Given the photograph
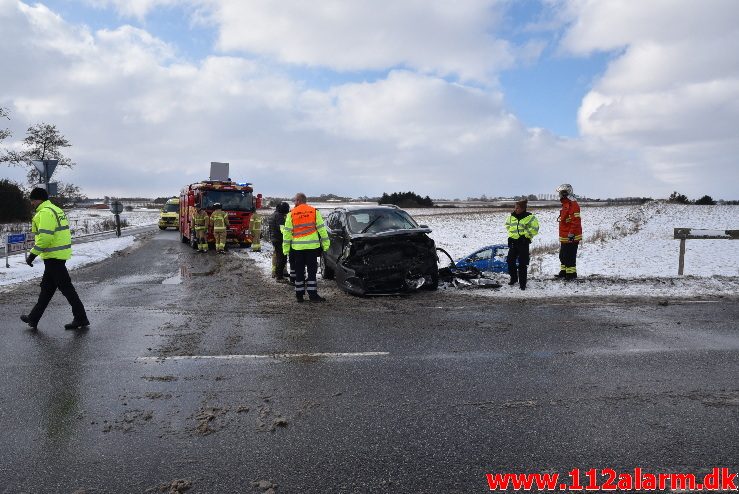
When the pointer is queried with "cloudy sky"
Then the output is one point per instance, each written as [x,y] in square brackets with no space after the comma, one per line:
[359,97]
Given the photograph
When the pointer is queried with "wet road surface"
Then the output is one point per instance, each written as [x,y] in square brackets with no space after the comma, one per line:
[424,393]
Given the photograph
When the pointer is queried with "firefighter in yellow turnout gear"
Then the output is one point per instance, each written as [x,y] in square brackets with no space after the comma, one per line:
[219,222]
[255,227]
[200,225]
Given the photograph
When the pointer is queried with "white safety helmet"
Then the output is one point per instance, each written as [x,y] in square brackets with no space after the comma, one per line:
[564,190]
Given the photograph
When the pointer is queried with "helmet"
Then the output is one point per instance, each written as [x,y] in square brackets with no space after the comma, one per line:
[564,190]
[217,205]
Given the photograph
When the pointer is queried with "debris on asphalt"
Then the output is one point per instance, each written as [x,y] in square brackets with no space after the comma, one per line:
[177,486]
[265,485]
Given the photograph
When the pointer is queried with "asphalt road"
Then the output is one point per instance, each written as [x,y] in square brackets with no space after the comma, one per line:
[422,393]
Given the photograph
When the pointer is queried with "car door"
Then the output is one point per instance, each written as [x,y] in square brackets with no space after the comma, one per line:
[482,258]
[336,233]
[499,262]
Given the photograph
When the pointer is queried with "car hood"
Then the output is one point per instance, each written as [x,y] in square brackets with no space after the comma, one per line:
[390,233]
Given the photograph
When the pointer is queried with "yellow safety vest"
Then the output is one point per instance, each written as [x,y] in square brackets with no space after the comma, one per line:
[53,239]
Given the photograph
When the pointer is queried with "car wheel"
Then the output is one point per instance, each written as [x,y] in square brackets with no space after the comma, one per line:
[184,239]
[326,272]
[434,285]
[162,227]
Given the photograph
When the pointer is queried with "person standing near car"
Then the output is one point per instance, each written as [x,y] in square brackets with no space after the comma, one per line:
[303,238]
[219,222]
[522,227]
[570,233]
[53,243]
[276,223]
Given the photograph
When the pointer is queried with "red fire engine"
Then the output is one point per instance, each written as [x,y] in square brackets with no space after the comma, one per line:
[236,199]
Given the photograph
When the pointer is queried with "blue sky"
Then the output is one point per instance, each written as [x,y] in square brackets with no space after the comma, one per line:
[365,97]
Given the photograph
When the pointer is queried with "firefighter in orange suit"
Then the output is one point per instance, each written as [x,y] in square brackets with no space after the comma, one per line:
[219,222]
[570,233]
[304,236]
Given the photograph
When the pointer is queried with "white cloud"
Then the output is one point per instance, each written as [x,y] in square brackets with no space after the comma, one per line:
[673,88]
[143,122]
[431,36]
[138,9]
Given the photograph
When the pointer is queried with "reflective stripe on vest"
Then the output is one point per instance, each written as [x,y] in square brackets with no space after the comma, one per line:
[525,227]
[53,237]
[200,221]
[219,220]
[304,221]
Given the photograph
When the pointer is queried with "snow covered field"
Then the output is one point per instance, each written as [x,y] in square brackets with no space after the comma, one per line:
[627,250]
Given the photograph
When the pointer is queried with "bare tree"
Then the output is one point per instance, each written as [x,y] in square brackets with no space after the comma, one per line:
[4,132]
[43,142]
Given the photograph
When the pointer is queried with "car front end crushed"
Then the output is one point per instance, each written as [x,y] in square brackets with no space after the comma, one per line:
[389,262]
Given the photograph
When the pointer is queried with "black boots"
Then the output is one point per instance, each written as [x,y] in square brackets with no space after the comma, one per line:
[522,275]
[28,321]
[77,324]
[514,274]
[518,275]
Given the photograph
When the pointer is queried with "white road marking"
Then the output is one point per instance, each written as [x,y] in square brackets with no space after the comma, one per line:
[270,356]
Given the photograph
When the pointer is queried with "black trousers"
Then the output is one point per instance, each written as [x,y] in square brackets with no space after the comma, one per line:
[518,249]
[568,256]
[57,276]
[300,260]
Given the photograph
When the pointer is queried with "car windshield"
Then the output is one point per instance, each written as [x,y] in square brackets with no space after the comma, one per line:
[379,221]
[231,200]
[171,208]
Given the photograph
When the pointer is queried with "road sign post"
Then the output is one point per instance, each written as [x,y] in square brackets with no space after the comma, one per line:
[18,242]
[46,170]
[116,207]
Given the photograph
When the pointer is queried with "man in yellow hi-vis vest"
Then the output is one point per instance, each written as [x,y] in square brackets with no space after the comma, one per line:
[219,220]
[303,237]
[53,244]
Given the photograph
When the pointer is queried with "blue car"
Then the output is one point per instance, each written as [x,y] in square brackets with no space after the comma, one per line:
[490,258]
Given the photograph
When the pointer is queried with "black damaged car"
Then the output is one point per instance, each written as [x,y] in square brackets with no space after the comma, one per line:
[378,250]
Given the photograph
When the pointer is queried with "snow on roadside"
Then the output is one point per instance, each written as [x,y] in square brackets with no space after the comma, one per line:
[82,255]
[634,254]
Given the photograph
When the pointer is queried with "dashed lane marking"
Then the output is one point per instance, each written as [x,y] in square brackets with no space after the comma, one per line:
[265,356]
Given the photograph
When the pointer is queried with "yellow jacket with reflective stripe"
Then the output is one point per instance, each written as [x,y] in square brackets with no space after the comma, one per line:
[219,220]
[53,239]
[310,237]
[526,226]
[200,221]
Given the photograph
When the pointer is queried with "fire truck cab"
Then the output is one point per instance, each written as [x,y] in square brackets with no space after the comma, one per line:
[236,199]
